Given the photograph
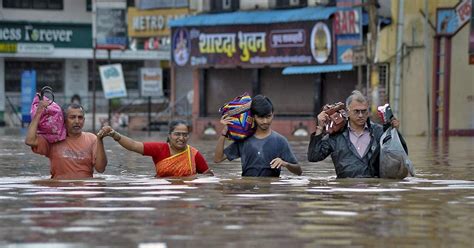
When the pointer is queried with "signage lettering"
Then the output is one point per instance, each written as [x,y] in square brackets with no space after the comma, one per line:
[252,42]
[463,11]
[244,45]
[141,23]
[288,38]
[152,23]
[48,35]
[217,43]
[10,34]
[346,22]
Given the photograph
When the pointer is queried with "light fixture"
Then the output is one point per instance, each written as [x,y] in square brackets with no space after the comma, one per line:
[209,129]
[301,131]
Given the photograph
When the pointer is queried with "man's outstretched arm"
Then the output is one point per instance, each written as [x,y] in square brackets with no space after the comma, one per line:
[31,136]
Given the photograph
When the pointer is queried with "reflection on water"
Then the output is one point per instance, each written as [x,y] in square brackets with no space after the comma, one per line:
[127,207]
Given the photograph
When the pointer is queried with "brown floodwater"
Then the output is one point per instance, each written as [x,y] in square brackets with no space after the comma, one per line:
[127,207]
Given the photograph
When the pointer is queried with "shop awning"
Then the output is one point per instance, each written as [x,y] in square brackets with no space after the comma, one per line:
[315,69]
[257,17]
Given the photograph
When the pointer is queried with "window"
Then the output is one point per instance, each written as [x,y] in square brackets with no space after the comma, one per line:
[384,78]
[49,73]
[33,4]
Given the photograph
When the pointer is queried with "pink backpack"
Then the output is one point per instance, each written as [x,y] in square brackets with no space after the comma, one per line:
[51,125]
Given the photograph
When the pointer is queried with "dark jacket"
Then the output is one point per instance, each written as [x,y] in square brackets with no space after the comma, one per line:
[347,161]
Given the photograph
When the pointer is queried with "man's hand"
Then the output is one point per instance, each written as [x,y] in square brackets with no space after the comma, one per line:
[42,105]
[225,120]
[395,123]
[277,163]
[322,118]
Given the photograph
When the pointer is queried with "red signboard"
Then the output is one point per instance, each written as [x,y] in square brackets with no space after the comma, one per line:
[302,43]
[347,22]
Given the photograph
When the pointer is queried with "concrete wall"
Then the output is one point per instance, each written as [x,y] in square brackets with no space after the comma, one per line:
[413,106]
[74,11]
[461,113]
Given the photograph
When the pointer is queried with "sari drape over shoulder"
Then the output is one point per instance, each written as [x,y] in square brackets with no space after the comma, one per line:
[178,165]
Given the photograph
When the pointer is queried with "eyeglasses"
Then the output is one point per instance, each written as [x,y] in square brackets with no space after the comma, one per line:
[179,134]
[359,111]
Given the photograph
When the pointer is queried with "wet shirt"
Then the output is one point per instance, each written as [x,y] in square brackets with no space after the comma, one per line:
[161,150]
[347,160]
[360,141]
[71,158]
[256,154]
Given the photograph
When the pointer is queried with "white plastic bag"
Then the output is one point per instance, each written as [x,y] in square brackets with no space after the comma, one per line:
[394,161]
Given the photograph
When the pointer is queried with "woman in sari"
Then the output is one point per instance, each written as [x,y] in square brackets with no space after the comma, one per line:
[173,158]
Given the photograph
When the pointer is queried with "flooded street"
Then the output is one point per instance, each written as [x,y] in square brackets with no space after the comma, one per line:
[127,207]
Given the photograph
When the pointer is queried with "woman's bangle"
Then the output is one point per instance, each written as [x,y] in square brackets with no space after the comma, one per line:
[116,136]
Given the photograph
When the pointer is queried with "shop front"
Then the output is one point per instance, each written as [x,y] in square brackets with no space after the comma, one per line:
[263,52]
[61,55]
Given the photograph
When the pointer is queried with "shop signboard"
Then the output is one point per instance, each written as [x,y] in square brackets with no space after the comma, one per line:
[152,23]
[111,28]
[112,80]
[348,32]
[38,48]
[471,36]
[301,43]
[8,47]
[451,20]
[46,36]
[151,82]
[28,90]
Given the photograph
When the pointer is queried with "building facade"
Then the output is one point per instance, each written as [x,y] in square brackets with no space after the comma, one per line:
[300,56]
[436,91]
[55,40]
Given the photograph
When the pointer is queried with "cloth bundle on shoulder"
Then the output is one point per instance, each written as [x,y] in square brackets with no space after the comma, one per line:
[51,124]
[238,109]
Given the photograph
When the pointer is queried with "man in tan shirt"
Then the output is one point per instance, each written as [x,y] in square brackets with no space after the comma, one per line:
[75,157]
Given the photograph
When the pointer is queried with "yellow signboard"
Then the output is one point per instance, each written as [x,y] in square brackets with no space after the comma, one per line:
[8,47]
[152,23]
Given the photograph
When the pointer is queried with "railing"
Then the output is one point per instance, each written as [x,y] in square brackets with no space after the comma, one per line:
[162,110]
[13,112]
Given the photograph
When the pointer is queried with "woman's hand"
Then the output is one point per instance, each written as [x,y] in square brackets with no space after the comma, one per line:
[105,131]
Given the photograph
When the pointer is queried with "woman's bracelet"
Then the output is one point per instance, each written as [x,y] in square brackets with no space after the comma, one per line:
[116,136]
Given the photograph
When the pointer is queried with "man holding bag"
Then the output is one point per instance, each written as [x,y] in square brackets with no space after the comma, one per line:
[75,157]
[355,149]
[264,153]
